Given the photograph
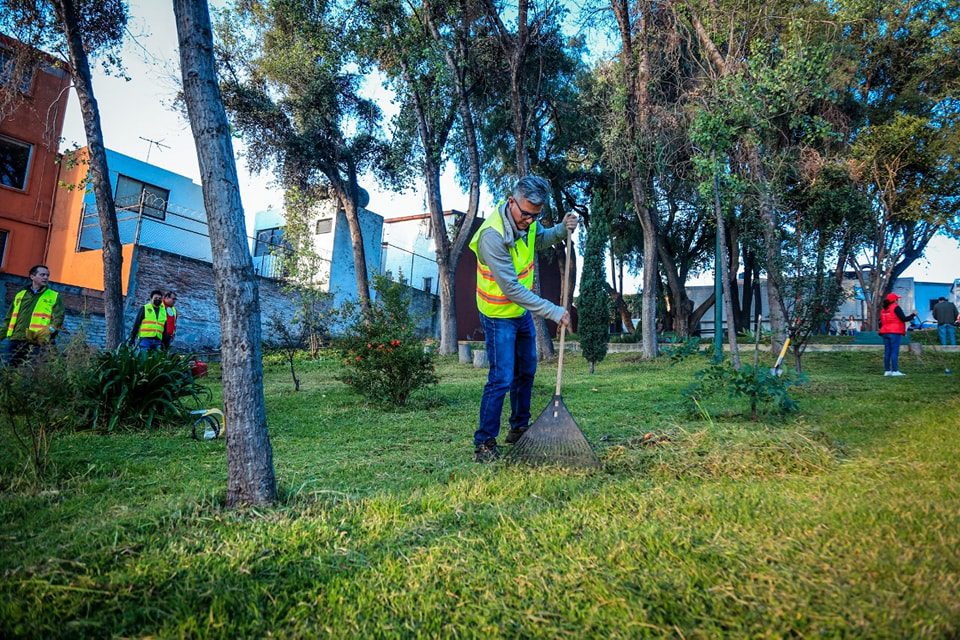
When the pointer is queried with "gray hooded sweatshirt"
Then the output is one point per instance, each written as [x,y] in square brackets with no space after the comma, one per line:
[494,252]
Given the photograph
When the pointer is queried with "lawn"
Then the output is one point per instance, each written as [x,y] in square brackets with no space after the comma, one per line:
[841,519]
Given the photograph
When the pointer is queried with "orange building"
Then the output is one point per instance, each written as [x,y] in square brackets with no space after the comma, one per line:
[67,262]
[30,128]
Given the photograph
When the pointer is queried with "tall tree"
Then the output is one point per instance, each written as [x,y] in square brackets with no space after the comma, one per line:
[250,475]
[636,26]
[905,80]
[403,46]
[77,30]
[593,304]
[295,100]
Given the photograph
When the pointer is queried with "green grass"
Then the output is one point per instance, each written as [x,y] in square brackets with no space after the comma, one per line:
[839,520]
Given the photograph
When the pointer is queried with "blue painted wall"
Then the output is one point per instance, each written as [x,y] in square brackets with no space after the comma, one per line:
[184,229]
[924,292]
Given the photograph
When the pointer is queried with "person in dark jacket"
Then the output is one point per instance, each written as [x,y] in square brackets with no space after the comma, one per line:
[893,326]
[945,313]
[149,327]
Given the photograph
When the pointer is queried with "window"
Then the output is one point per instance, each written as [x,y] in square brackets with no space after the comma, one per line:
[130,193]
[324,225]
[428,284]
[3,245]
[268,241]
[8,64]
[14,163]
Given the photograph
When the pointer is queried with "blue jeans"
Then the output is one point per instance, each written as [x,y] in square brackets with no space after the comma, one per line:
[512,352]
[948,334]
[891,351]
[150,344]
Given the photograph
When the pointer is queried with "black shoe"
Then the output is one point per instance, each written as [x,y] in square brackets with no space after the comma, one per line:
[486,452]
[515,434]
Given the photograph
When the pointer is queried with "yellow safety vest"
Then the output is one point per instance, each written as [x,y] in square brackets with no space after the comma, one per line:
[39,329]
[490,299]
[153,322]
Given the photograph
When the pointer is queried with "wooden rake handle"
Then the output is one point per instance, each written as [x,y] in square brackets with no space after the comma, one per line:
[566,301]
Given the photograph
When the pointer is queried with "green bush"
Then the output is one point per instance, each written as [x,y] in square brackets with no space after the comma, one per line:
[44,397]
[134,389]
[383,359]
[680,352]
[757,384]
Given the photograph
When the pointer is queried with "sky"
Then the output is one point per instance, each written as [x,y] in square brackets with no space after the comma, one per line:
[142,108]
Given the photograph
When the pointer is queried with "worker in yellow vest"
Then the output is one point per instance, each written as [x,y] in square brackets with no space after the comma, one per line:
[506,245]
[149,326]
[34,318]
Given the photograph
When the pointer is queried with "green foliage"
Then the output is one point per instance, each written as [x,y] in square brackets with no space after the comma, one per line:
[135,389]
[679,352]
[382,357]
[593,306]
[758,384]
[43,397]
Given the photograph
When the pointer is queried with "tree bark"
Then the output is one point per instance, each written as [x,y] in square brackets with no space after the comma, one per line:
[635,111]
[250,475]
[99,174]
[348,194]
[723,263]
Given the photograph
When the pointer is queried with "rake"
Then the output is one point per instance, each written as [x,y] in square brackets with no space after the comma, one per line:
[555,438]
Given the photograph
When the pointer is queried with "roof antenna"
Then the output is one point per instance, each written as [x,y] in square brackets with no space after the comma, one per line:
[151,143]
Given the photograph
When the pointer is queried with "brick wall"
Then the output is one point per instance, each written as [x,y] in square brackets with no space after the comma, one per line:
[198,326]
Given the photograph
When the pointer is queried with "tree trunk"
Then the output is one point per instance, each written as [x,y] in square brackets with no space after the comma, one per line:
[545,349]
[348,195]
[250,476]
[746,307]
[680,305]
[625,316]
[771,240]
[727,292]
[635,80]
[99,175]
[454,248]
[701,311]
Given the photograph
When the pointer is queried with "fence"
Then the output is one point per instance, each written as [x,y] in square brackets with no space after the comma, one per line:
[409,267]
[150,221]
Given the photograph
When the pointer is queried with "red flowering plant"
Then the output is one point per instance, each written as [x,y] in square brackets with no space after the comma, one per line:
[383,359]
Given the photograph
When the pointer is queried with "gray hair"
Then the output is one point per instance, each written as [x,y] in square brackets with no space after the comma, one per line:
[533,189]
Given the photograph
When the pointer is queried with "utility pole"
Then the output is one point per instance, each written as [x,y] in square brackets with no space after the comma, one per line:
[717,282]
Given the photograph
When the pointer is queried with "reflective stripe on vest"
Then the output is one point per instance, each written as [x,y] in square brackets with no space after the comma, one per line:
[491,301]
[42,311]
[153,322]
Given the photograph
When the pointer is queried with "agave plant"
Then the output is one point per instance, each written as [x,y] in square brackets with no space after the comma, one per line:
[135,389]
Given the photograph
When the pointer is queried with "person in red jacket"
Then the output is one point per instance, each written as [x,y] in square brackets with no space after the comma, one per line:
[170,330]
[893,326]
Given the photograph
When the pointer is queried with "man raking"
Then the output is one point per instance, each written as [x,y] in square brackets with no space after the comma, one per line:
[506,246]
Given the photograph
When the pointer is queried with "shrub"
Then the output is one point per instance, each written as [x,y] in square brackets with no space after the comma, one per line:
[383,359]
[133,389]
[756,383]
[44,397]
[680,352]
[594,303]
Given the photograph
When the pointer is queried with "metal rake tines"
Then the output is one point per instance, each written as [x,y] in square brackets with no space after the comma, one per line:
[555,439]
